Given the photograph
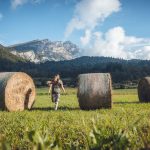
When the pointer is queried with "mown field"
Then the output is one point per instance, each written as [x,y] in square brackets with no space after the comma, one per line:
[125,126]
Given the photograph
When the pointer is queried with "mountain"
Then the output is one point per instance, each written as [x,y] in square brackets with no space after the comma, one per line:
[45,50]
[121,70]
[7,56]
[1,46]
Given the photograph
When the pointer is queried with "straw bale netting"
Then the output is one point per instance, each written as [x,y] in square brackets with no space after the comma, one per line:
[144,89]
[17,91]
[94,91]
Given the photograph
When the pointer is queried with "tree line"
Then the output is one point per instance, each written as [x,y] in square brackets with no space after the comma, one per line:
[121,70]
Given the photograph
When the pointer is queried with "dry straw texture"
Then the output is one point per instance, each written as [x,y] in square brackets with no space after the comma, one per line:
[144,89]
[17,91]
[94,91]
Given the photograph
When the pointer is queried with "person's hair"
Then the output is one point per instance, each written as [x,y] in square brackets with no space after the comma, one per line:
[57,77]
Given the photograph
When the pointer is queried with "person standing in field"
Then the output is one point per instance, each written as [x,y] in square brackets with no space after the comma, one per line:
[54,88]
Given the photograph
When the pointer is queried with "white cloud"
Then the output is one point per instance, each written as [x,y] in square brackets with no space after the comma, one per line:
[86,38]
[115,43]
[16,3]
[1,16]
[89,13]
[143,53]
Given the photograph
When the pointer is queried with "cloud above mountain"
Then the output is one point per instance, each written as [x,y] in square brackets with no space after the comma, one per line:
[90,13]
[114,42]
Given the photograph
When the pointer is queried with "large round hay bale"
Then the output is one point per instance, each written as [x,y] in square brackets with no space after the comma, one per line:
[17,91]
[144,89]
[94,91]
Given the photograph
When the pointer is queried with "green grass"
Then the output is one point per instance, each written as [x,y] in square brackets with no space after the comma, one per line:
[125,126]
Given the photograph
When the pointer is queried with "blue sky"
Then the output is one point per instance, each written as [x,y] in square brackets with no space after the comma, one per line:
[126,20]
[34,21]
[134,16]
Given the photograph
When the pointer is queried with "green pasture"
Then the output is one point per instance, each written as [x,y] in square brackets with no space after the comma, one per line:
[125,126]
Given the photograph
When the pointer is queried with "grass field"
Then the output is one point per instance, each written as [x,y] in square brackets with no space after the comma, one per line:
[125,126]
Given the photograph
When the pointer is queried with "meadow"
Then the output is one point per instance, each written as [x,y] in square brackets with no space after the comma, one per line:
[125,126]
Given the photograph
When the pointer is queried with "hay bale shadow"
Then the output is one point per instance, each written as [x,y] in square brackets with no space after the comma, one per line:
[64,108]
[126,102]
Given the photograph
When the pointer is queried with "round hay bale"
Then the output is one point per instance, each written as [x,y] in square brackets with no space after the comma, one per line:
[17,91]
[144,89]
[94,91]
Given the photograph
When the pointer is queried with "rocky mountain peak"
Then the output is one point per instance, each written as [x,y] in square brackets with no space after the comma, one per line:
[46,50]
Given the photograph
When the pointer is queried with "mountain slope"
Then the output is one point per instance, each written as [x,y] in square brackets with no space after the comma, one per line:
[45,50]
[7,56]
[121,70]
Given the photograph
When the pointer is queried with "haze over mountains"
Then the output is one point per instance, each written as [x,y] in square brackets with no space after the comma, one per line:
[45,50]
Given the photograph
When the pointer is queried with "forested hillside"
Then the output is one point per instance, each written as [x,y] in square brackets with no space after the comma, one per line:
[121,70]
[6,56]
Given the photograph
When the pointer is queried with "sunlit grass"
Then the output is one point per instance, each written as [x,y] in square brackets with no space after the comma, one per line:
[71,124]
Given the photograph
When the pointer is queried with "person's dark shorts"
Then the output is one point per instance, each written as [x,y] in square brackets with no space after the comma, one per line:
[55,98]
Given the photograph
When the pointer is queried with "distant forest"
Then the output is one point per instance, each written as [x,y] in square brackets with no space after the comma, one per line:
[121,70]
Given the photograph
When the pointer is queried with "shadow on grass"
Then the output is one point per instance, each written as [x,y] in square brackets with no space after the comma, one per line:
[127,103]
[64,108]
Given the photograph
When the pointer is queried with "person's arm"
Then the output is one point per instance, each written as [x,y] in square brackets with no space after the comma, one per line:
[62,86]
[50,87]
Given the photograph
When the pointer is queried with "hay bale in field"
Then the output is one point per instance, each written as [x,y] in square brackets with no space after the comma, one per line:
[17,91]
[144,89]
[94,91]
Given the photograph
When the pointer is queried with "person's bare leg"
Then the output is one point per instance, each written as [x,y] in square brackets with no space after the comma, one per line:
[56,105]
